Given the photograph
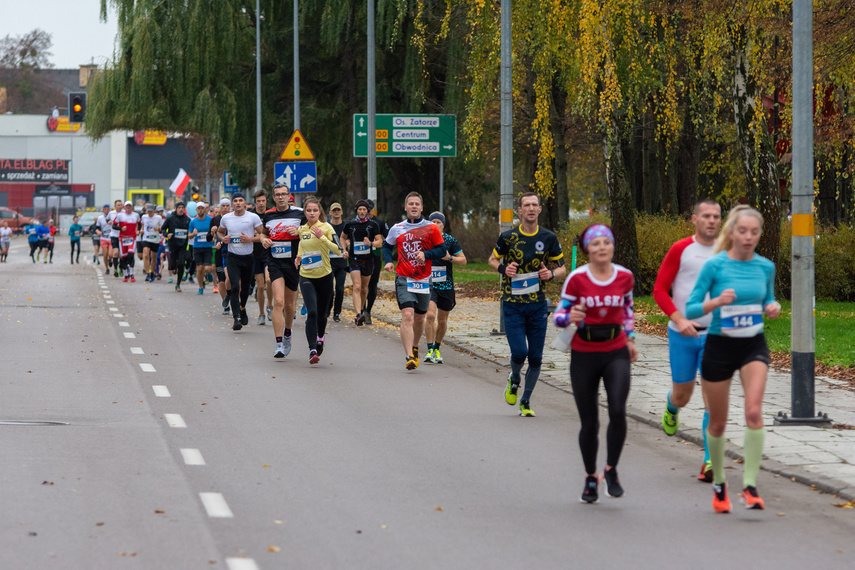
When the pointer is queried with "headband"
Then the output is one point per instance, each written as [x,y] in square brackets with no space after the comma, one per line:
[595,231]
[437,216]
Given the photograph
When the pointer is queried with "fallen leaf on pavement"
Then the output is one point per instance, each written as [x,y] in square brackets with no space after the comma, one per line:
[847,505]
[158,512]
[273,549]
[438,509]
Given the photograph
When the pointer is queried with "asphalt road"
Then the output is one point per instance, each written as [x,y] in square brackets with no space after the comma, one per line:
[352,463]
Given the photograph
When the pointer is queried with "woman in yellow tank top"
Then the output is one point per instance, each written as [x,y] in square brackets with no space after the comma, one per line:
[316,280]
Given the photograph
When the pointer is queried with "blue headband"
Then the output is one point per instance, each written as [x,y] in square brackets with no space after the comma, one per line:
[238,195]
[595,231]
[437,216]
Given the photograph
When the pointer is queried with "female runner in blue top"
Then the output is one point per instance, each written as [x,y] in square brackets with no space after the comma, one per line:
[737,286]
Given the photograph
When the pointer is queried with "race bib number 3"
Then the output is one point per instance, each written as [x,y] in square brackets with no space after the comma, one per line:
[361,249]
[438,274]
[418,286]
[311,260]
[741,321]
[281,251]
[525,283]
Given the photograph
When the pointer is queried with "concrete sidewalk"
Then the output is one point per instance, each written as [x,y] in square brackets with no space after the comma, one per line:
[814,456]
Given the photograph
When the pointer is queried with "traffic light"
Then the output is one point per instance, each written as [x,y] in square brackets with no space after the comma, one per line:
[76,107]
[195,196]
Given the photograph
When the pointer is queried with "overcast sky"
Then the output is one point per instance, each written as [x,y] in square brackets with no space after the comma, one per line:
[77,37]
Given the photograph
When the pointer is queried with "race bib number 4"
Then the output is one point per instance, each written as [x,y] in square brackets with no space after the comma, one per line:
[418,286]
[525,283]
[281,251]
[438,274]
[361,249]
[741,321]
[311,260]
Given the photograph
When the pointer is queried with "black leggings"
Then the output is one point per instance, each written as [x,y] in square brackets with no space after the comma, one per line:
[372,285]
[34,245]
[126,261]
[586,369]
[50,249]
[340,275]
[176,260]
[239,268]
[317,294]
[75,244]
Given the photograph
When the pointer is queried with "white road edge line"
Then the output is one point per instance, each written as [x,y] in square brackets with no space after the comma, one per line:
[192,457]
[174,420]
[241,564]
[161,391]
[146,367]
[216,505]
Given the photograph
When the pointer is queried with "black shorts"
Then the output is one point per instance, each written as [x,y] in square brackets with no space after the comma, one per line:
[139,246]
[362,263]
[202,255]
[444,298]
[151,245]
[284,270]
[114,242]
[259,263]
[725,355]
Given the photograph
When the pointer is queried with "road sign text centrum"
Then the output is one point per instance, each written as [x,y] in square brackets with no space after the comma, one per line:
[400,135]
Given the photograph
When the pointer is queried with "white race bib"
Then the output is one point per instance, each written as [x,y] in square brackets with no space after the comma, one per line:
[76,234]
[202,240]
[418,286]
[181,234]
[311,260]
[741,321]
[281,250]
[525,283]
[438,274]
[127,241]
[234,239]
[151,236]
[361,249]
[50,239]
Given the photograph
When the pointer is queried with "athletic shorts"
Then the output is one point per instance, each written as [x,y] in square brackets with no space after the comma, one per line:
[258,264]
[724,355]
[114,242]
[202,255]
[5,242]
[362,263]
[152,245]
[96,240]
[686,354]
[287,271]
[139,246]
[419,302]
[444,298]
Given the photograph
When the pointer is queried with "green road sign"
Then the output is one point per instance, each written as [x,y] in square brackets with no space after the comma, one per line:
[400,135]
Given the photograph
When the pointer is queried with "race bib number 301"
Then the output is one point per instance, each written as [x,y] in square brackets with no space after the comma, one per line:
[741,321]
[418,286]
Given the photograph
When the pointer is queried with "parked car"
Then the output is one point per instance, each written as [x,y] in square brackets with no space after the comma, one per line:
[15,220]
[86,220]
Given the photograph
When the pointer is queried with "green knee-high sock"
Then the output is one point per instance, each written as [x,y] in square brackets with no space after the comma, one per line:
[716,445]
[754,439]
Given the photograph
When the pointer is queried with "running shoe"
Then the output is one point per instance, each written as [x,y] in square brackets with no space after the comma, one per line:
[313,357]
[320,346]
[429,357]
[125,280]
[720,501]
[613,486]
[511,391]
[133,279]
[159,276]
[226,310]
[337,318]
[416,355]
[237,325]
[170,280]
[201,291]
[589,494]
[261,320]
[269,312]
[368,320]
[359,320]
[525,409]
[178,287]
[106,272]
[225,301]
[670,422]
[411,363]
[244,318]
[115,273]
[286,345]
[706,472]
[280,351]
[303,310]
[751,499]
[437,357]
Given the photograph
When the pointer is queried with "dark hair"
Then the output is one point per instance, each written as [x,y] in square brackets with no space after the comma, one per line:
[314,200]
[526,195]
[278,186]
[259,193]
[708,201]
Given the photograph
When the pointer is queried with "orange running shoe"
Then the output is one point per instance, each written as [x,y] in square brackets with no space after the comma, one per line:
[706,472]
[751,499]
[720,502]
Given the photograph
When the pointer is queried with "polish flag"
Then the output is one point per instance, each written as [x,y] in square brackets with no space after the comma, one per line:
[180,183]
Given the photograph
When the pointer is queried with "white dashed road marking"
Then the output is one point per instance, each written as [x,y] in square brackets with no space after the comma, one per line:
[136,350]
[241,564]
[146,367]
[174,420]
[124,324]
[216,505]
[192,457]
[161,391]
[129,335]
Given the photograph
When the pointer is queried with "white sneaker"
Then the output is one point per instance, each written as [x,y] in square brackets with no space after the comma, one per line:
[280,351]
[260,319]
[286,345]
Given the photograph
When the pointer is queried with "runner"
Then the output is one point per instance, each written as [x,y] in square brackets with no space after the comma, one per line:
[5,241]
[418,242]
[737,286]
[52,229]
[75,230]
[118,208]
[127,223]
[96,242]
[338,263]
[316,281]
[43,231]
[521,257]
[220,254]
[598,296]
[686,338]
[33,238]
[199,227]
[104,225]
[358,236]
[140,245]
[241,229]
[281,230]
[442,299]
[151,224]
[259,257]
[161,247]
[378,264]
[176,228]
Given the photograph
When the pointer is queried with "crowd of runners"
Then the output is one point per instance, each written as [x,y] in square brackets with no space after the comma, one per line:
[712,285]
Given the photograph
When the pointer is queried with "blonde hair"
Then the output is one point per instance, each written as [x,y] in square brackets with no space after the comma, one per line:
[724,242]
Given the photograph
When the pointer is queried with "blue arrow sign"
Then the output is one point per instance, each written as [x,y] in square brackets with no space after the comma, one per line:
[297,176]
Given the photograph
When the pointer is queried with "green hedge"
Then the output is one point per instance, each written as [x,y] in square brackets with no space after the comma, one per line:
[834,248]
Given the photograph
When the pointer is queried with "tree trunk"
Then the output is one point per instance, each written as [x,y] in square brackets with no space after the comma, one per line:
[562,198]
[761,165]
[621,207]
[355,186]
[688,166]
